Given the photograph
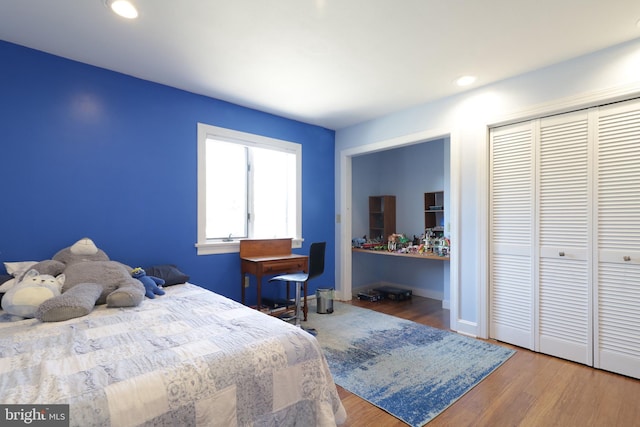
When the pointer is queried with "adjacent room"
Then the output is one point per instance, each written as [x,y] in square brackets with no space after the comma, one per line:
[303,213]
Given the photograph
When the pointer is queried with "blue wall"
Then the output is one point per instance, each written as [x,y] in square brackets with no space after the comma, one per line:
[88,152]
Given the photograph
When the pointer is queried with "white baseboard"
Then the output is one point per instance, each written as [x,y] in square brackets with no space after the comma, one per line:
[465,327]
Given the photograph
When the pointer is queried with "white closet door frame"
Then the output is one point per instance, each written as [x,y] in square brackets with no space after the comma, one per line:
[610,302]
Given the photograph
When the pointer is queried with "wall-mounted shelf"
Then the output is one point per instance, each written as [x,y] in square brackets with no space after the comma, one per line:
[434,211]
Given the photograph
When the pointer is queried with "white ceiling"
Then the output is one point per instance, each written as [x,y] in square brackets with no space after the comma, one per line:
[333,63]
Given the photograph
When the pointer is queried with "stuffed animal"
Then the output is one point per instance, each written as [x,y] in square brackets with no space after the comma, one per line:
[151,283]
[91,278]
[24,298]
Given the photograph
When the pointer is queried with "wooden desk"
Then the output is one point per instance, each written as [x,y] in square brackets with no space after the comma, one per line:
[269,257]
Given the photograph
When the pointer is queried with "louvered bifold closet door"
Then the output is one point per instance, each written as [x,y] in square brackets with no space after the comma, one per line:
[511,237]
[564,215]
[617,338]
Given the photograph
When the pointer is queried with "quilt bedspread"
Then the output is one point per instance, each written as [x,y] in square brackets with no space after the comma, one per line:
[188,358]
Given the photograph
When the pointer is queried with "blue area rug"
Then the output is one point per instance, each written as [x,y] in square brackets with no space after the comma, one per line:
[412,371]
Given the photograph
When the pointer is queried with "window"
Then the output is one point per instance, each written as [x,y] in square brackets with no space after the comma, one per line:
[249,186]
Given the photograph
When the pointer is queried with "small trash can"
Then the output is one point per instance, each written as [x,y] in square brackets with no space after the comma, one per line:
[324,301]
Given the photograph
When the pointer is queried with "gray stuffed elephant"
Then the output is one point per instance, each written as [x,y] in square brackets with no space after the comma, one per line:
[91,279]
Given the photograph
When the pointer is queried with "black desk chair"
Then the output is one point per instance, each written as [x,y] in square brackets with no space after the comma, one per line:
[316,268]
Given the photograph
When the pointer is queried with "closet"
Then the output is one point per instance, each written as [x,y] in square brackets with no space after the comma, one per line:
[565,236]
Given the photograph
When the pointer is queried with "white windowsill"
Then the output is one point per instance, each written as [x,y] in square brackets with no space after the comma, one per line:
[221,247]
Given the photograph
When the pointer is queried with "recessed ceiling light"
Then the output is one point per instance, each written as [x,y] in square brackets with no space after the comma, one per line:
[124,8]
[465,80]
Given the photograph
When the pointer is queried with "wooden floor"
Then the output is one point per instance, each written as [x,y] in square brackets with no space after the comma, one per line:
[530,389]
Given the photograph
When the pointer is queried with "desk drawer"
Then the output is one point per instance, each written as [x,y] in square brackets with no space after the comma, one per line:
[284,266]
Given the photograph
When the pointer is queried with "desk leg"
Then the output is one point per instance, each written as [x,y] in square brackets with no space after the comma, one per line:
[304,306]
[259,286]
[242,287]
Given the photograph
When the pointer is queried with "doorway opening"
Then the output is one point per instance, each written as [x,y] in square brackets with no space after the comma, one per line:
[345,221]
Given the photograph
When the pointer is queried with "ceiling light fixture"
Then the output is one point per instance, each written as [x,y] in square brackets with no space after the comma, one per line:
[124,8]
[465,80]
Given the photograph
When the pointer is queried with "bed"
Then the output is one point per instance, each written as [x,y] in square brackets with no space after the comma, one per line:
[187,358]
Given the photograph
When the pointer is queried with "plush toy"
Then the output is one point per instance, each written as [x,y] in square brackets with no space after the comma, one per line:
[90,279]
[24,298]
[151,283]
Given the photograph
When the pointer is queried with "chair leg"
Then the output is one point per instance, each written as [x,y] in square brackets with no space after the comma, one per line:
[297,304]
[305,306]
[288,283]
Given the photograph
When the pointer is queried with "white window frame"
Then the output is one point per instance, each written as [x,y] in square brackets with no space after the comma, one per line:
[219,246]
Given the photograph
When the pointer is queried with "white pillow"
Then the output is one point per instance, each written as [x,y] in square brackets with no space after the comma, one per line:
[16,269]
